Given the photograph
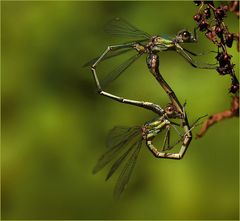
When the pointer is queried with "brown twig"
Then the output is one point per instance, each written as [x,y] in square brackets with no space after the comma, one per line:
[210,19]
[232,112]
[234,7]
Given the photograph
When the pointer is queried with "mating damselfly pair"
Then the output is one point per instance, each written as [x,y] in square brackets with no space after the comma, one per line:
[126,142]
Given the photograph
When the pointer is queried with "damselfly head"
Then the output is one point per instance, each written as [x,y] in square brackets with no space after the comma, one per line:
[185,36]
[172,111]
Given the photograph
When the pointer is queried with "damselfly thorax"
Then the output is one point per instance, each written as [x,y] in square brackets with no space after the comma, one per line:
[152,129]
[155,45]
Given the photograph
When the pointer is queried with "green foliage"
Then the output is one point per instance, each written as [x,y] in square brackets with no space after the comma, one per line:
[54,124]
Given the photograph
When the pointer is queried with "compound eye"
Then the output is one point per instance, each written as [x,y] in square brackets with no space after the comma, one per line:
[186,35]
[169,110]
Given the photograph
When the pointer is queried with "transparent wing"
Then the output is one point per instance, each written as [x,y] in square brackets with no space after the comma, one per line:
[127,170]
[121,27]
[116,145]
[120,133]
[114,74]
[111,54]
[118,162]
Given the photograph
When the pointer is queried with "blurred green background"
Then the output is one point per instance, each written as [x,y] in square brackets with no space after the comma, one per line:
[54,124]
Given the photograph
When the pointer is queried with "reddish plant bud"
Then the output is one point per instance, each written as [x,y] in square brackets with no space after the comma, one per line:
[226,57]
[220,13]
[224,60]
[197,17]
[203,25]
[224,70]
[197,3]
[234,88]
[229,40]
[207,13]
[218,31]
[219,56]
[221,70]
[210,35]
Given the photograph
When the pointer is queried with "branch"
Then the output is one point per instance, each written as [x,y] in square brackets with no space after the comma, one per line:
[210,19]
[232,112]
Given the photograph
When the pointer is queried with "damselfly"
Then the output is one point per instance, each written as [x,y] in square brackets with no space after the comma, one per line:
[126,142]
[147,44]
[150,46]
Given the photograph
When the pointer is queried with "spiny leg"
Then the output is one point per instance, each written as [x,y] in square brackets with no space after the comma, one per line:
[188,131]
[198,54]
[185,138]
[195,64]
[169,147]
[166,139]
[111,48]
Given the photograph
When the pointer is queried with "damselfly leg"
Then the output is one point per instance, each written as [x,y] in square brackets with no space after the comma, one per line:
[190,60]
[164,123]
[184,139]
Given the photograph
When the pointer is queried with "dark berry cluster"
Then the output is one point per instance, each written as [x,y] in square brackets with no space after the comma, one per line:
[225,66]
[210,19]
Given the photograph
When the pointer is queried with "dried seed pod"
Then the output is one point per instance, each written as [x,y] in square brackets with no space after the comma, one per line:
[211,35]
[220,13]
[234,88]
[203,25]
[224,70]
[229,40]
[207,13]
[221,70]
[219,31]
[197,17]
[197,3]
[224,59]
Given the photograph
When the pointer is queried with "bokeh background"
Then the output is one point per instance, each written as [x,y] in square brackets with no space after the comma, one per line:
[54,124]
